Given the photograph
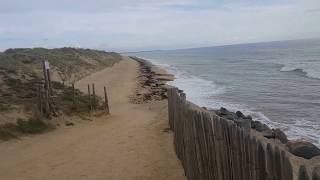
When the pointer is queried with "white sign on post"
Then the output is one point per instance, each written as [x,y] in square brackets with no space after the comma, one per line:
[46,65]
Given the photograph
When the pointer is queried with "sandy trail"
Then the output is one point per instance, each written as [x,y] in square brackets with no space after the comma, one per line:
[129,144]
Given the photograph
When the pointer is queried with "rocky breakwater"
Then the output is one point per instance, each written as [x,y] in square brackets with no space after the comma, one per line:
[298,148]
[152,83]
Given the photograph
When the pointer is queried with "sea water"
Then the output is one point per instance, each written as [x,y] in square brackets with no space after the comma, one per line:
[277,83]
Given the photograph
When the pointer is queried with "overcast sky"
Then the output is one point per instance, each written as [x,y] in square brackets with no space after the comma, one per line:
[130,25]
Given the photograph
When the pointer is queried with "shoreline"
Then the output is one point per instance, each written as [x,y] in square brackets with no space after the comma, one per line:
[293,110]
[299,151]
[152,81]
[260,126]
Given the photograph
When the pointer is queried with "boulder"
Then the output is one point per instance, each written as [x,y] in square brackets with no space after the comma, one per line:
[303,149]
[249,117]
[239,114]
[228,116]
[244,123]
[68,123]
[280,135]
[258,126]
[223,111]
[268,133]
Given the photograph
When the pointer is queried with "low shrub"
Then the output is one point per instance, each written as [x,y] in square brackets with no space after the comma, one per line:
[8,131]
[33,126]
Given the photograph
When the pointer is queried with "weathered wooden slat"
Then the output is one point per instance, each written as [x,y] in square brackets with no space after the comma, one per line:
[303,174]
[261,163]
[287,173]
[316,173]
[277,164]
[211,147]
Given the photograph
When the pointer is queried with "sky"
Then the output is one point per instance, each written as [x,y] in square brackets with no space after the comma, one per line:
[134,25]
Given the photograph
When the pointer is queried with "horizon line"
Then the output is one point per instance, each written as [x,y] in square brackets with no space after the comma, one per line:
[222,45]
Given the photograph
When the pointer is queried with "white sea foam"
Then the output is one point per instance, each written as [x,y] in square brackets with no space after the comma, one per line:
[311,68]
[206,93]
[197,89]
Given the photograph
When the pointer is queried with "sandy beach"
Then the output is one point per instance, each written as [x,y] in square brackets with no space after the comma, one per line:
[131,143]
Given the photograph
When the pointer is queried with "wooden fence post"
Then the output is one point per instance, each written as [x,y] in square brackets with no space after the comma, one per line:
[287,172]
[40,99]
[44,74]
[211,147]
[303,174]
[47,105]
[73,94]
[46,87]
[106,103]
[89,97]
[49,83]
[93,97]
[316,173]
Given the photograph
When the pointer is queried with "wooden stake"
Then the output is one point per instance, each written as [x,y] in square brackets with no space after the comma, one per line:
[40,99]
[44,74]
[73,95]
[89,95]
[93,97]
[47,103]
[46,86]
[106,103]
[49,82]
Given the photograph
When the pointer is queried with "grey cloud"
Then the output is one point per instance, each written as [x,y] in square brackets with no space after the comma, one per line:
[22,6]
[148,24]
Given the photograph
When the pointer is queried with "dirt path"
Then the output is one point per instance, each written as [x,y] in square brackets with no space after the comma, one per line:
[129,144]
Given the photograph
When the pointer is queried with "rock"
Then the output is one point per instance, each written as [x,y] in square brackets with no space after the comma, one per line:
[244,123]
[229,116]
[69,123]
[280,135]
[316,173]
[223,111]
[267,133]
[240,115]
[303,149]
[249,117]
[263,128]
[257,125]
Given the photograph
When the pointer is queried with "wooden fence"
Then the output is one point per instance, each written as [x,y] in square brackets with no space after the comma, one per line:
[210,147]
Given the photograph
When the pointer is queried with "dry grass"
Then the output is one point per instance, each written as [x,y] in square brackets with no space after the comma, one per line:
[21,73]
[21,76]
[33,125]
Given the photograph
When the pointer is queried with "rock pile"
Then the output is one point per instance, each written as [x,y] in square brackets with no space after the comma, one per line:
[154,84]
[302,149]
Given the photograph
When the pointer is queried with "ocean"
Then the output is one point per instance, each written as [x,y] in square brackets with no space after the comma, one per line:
[277,83]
